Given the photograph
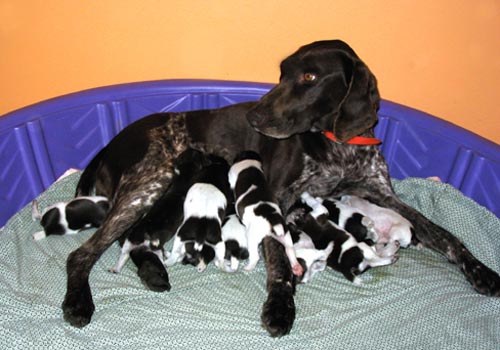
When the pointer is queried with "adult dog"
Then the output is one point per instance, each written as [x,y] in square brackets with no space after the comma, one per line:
[324,87]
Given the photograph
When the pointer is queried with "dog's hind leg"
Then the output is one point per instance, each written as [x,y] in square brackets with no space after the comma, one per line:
[78,306]
[483,279]
[426,233]
[278,312]
[134,198]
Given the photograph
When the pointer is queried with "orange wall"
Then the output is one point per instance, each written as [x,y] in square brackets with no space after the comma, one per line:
[442,56]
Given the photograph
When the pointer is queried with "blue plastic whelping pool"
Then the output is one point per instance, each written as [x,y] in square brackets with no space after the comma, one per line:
[40,142]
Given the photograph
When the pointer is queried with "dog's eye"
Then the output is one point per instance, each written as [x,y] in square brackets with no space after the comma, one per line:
[309,77]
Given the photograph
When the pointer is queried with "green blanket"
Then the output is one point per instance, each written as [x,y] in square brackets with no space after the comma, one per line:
[421,302]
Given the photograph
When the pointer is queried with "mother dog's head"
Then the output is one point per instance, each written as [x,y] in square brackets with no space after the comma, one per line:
[324,86]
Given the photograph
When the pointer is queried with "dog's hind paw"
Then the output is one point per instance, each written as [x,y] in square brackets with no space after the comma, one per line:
[278,312]
[483,279]
[78,306]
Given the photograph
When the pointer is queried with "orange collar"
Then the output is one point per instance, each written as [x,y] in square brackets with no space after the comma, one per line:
[356,140]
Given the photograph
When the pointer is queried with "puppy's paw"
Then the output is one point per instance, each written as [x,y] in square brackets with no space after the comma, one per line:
[114,270]
[39,235]
[278,312]
[249,267]
[357,281]
[78,306]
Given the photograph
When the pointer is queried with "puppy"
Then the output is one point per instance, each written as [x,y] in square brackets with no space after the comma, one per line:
[390,226]
[235,239]
[257,209]
[348,218]
[161,222]
[349,256]
[204,209]
[71,217]
[351,218]
[312,259]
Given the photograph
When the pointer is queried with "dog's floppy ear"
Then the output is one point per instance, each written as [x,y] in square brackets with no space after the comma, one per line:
[358,110]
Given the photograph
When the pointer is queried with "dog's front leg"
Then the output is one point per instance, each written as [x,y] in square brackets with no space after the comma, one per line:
[278,312]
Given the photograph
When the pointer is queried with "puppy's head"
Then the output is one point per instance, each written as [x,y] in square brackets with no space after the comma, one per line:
[190,162]
[312,260]
[324,86]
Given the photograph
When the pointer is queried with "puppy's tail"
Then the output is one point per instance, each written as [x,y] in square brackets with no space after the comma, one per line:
[35,212]
[86,184]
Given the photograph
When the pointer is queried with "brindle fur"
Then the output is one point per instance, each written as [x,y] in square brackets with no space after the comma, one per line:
[135,168]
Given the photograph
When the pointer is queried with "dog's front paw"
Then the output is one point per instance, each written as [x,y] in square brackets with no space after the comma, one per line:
[151,270]
[278,312]
[154,277]
[78,306]
[483,279]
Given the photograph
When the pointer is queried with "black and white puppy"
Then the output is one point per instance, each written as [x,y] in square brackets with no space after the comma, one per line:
[161,222]
[70,217]
[312,259]
[204,209]
[351,219]
[349,256]
[391,227]
[257,209]
[235,238]
[370,223]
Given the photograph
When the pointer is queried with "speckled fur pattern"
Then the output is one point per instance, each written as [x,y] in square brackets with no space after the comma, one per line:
[137,190]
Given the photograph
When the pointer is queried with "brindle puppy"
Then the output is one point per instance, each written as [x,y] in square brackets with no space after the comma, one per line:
[324,86]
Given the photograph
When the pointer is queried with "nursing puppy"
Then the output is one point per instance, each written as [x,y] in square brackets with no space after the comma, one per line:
[235,239]
[390,226]
[257,209]
[351,217]
[71,217]
[311,258]
[349,256]
[204,209]
[161,222]
[348,218]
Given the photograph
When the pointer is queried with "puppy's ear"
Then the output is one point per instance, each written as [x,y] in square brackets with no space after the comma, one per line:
[358,110]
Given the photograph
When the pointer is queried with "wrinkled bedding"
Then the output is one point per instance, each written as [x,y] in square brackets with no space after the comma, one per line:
[421,302]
